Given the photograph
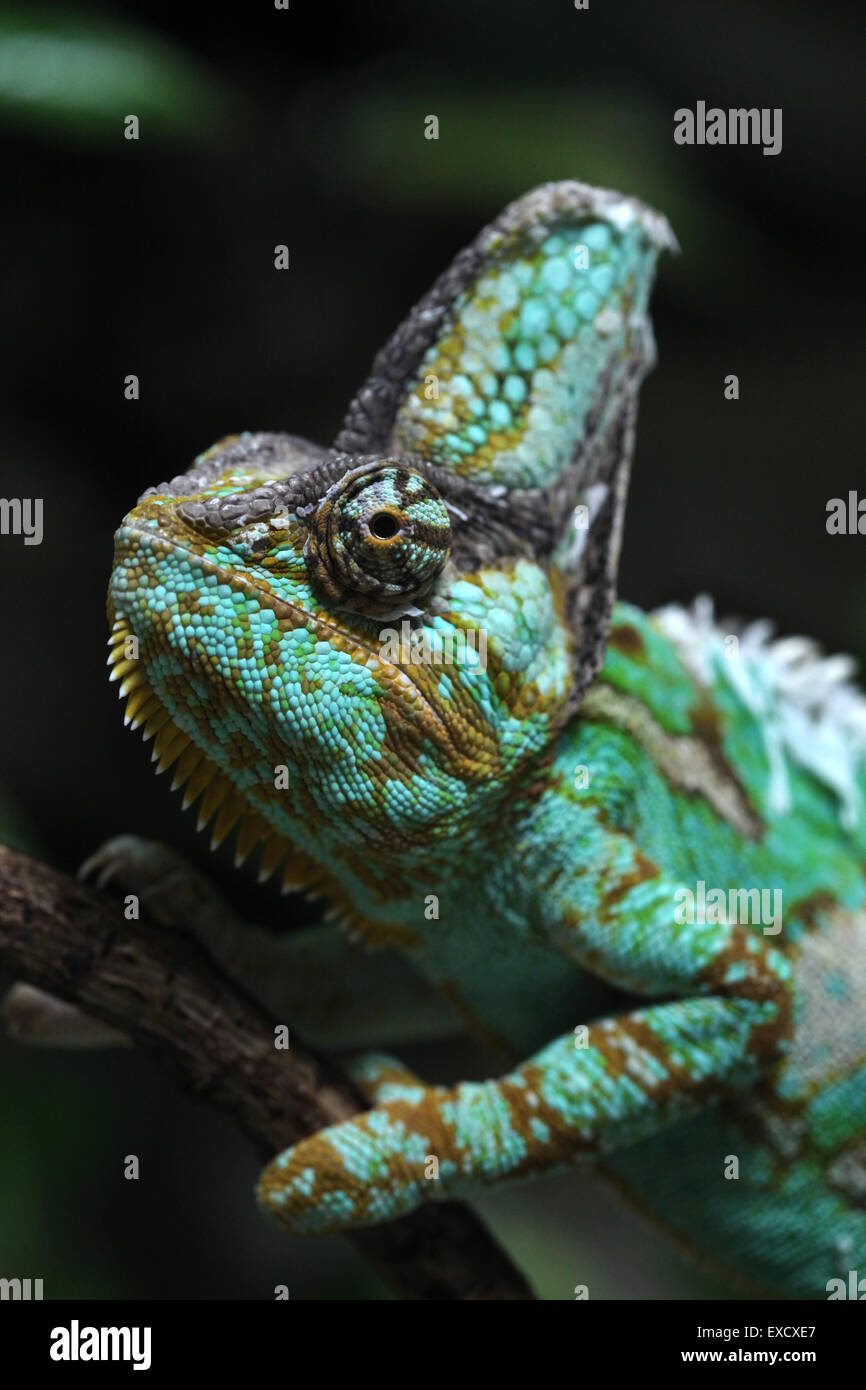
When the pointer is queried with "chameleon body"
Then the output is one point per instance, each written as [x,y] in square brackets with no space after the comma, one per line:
[520,822]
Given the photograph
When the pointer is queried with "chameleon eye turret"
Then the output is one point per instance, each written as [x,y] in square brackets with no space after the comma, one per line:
[379,539]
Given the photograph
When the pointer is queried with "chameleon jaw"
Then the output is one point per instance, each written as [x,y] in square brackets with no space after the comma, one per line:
[199,777]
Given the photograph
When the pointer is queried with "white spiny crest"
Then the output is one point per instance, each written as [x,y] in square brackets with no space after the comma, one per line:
[806,704]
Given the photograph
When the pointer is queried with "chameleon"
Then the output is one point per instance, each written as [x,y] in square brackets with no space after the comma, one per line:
[624,849]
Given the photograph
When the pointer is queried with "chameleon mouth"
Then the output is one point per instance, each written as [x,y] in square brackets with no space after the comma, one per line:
[222,802]
[199,777]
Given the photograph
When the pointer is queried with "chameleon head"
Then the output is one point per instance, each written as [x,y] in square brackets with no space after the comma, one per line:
[361,650]
[353,654]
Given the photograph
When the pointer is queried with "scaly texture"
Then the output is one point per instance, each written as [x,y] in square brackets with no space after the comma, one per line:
[398,665]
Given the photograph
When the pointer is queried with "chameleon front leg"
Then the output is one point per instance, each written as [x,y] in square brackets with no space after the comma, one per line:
[631,1077]
[606,1086]
[338,995]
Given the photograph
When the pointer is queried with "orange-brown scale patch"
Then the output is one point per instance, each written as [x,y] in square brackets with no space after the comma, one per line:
[627,639]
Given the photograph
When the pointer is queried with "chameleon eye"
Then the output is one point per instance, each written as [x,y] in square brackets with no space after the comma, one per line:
[379,539]
[385,526]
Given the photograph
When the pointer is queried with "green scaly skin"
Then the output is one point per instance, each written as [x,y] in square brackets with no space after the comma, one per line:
[519,822]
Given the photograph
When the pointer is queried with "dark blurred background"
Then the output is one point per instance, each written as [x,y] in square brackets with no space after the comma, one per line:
[155,257]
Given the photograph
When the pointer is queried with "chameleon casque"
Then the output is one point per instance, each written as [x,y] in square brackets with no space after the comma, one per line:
[508,837]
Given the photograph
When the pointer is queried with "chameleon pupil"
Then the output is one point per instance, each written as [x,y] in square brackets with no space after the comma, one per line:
[384,526]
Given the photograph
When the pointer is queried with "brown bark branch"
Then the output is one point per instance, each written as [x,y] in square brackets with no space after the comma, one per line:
[157,986]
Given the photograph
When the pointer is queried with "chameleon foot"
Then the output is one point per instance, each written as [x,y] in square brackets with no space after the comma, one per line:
[369,1169]
[34,1017]
[169,890]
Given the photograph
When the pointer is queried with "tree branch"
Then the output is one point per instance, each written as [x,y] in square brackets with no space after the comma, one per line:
[157,986]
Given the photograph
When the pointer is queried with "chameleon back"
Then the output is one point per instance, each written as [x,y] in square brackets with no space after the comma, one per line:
[772,1184]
